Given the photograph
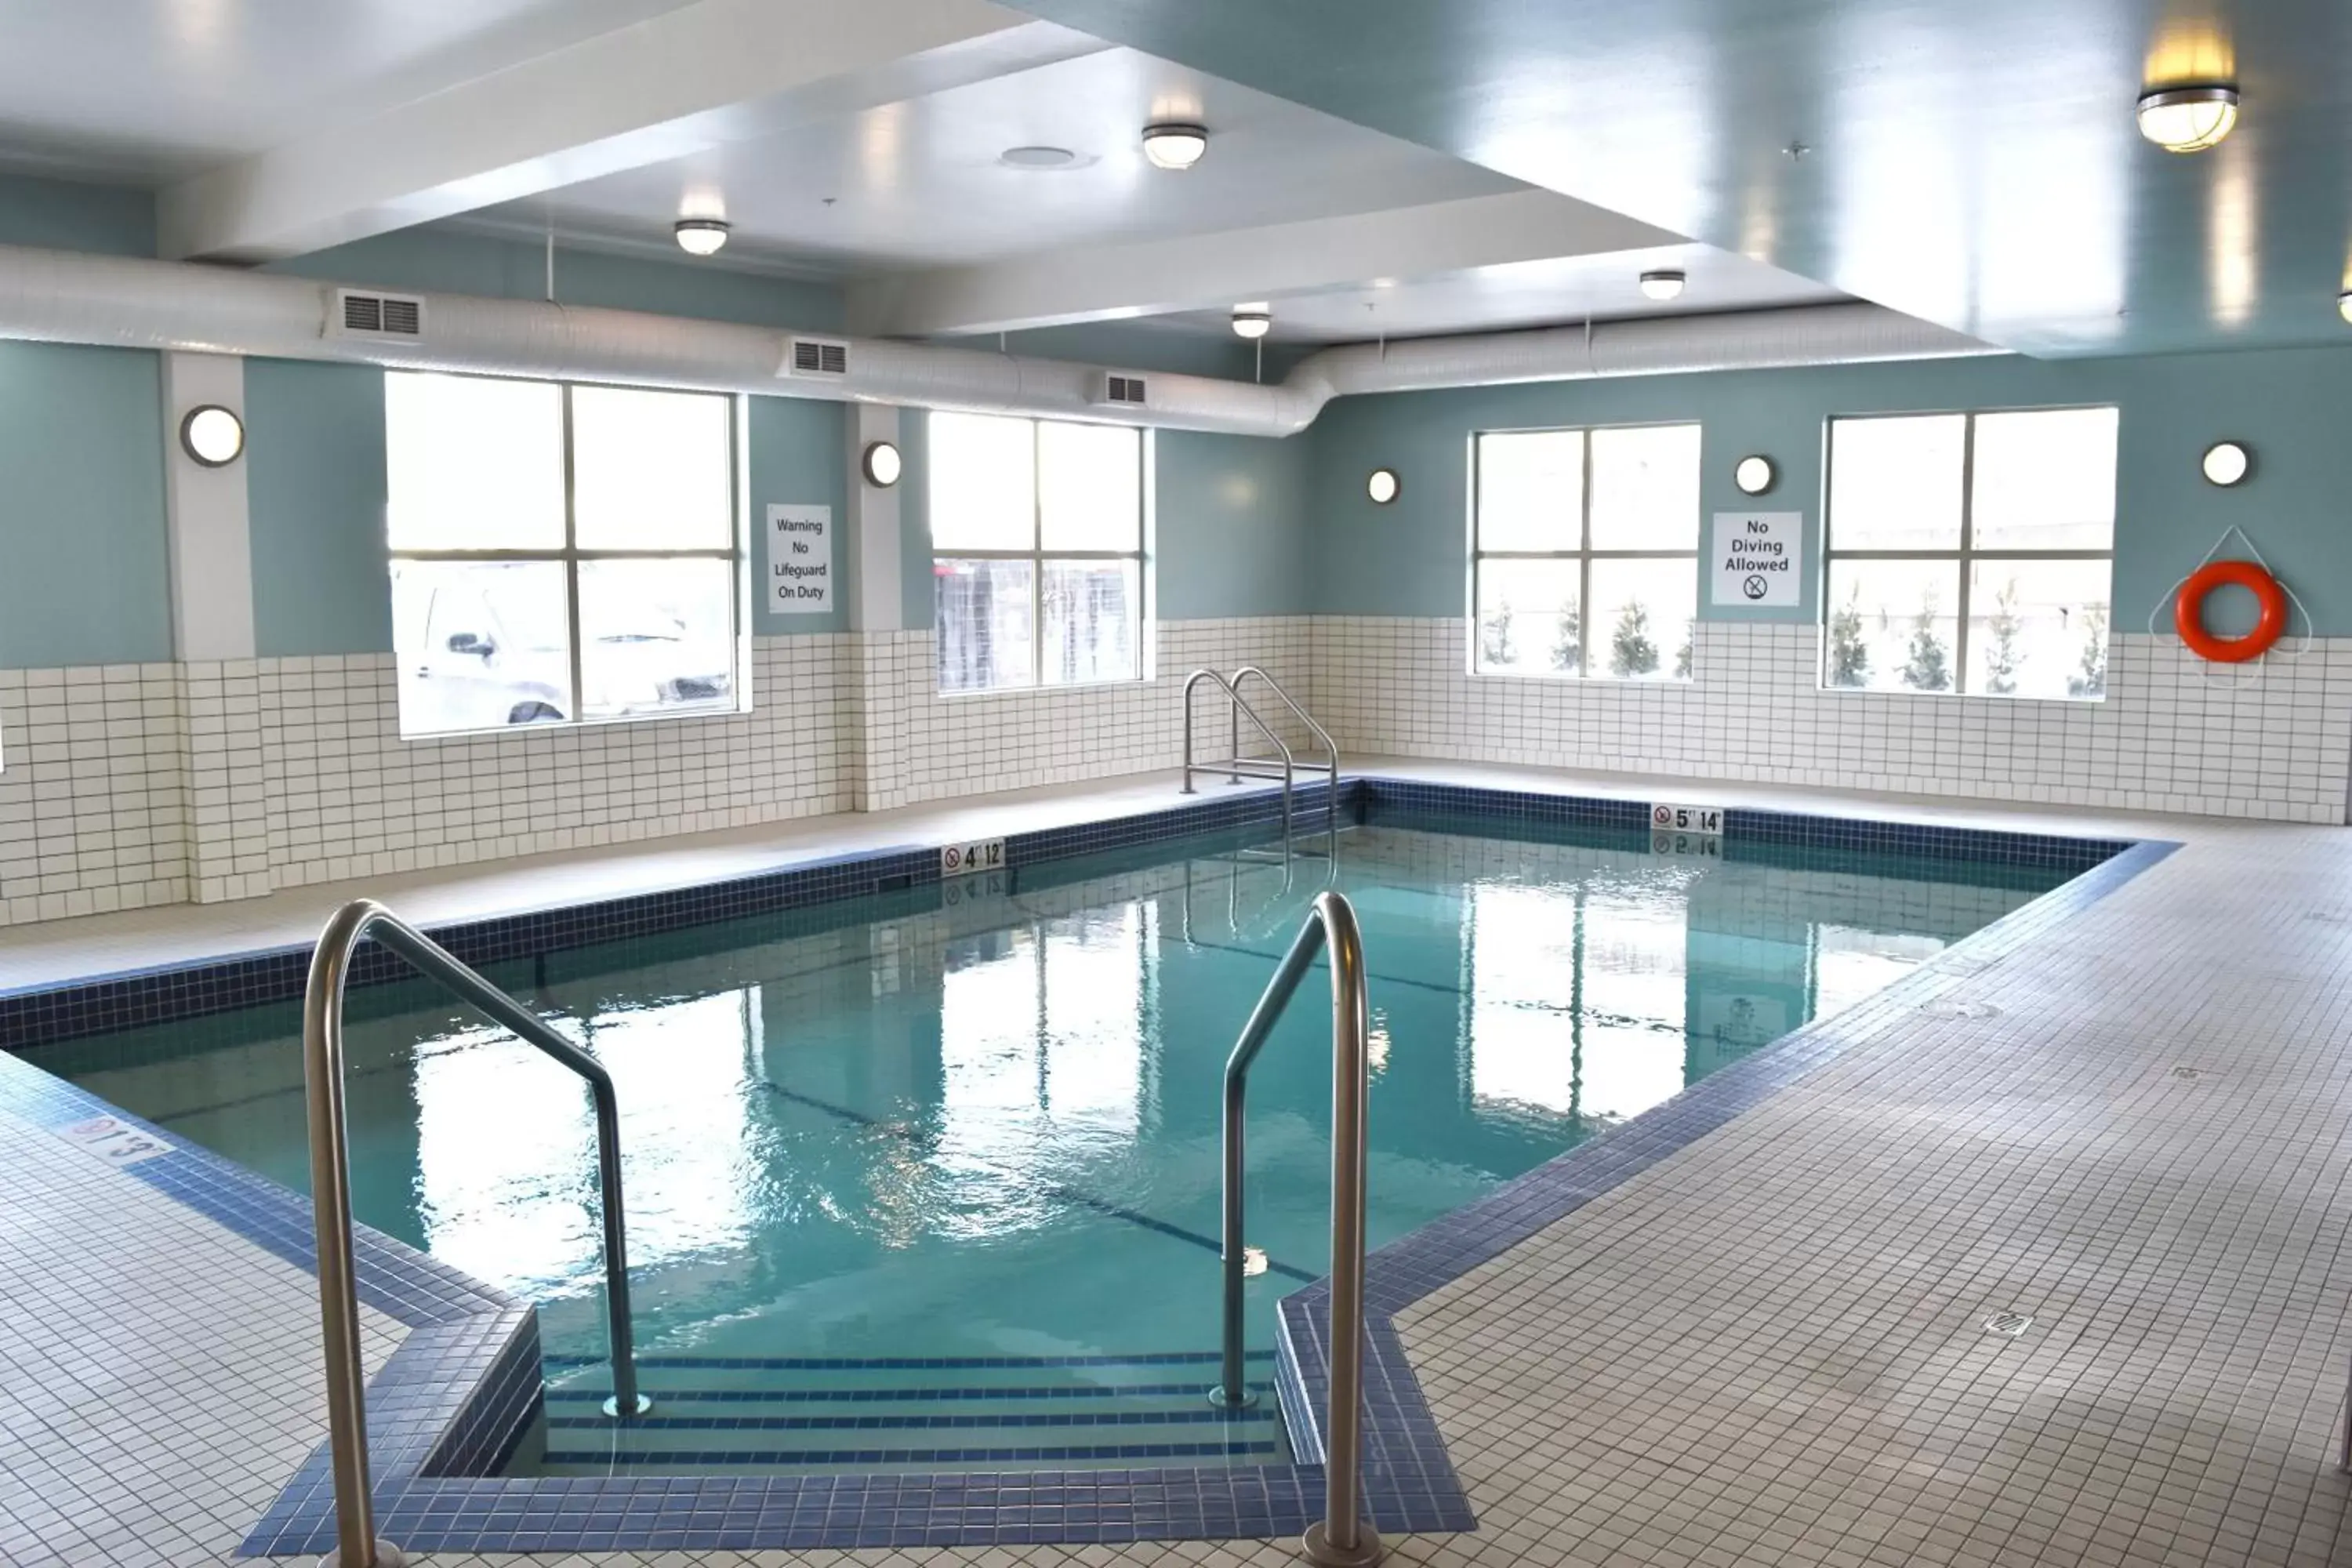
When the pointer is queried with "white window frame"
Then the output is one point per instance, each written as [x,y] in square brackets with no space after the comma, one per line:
[1038,555]
[1583,555]
[570,555]
[1966,555]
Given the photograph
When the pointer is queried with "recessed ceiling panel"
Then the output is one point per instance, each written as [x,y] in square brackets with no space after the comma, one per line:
[1975,163]
[926,183]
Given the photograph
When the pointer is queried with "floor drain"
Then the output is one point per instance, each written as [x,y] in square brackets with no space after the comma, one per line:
[1960,1010]
[2010,1325]
[2188,1072]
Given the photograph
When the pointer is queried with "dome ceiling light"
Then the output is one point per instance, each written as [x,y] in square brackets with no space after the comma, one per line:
[701,235]
[1172,145]
[2188,119]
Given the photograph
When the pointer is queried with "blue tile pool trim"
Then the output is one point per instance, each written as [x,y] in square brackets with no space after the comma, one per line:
[458,1394]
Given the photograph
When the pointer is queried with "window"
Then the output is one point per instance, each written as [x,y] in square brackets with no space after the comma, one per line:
[1972,552]
[1586,552]
[559,554]
[1037,541]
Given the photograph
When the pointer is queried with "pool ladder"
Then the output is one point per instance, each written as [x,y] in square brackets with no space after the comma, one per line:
[1284,764]
[1342,1540]
[330,1188]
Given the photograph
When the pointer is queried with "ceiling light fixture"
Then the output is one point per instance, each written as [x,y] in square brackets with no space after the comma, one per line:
[1254,320]
[2188,119]
[1171,145]
[701,235]
[1666,285]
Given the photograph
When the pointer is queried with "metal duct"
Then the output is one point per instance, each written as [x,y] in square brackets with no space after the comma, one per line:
[57,295]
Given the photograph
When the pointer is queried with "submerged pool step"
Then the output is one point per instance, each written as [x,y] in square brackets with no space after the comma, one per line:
[735,1413]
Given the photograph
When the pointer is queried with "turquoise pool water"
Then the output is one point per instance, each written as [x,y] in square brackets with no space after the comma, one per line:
[979,1128]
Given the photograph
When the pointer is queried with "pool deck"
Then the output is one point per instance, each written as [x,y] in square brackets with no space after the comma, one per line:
[1769,1346]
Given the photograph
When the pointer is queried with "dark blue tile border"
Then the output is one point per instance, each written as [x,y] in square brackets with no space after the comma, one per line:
[457,1394]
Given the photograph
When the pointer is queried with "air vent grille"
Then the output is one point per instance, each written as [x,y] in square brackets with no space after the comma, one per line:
[380,315]
[816,356]
[1126,391]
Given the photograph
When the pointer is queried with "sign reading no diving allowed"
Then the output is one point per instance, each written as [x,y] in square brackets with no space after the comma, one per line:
[1759,558]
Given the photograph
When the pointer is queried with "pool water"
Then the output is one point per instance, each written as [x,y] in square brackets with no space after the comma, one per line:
[932,1178]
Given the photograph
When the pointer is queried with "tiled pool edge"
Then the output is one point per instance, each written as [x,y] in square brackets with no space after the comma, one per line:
[470,1408]
[1415,1265]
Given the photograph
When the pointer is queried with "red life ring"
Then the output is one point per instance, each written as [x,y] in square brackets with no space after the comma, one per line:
[2189,612]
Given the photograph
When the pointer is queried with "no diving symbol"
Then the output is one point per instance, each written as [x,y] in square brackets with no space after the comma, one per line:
[1754,587]
[1664,815]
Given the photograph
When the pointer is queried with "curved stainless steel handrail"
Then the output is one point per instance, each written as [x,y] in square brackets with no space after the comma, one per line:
[330,1189]
[1289,766]
[1342,1539]
[1331,747]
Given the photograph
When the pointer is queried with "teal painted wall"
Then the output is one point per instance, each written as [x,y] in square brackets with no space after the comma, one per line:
[1232,525]
[1408,558]
[439,261]
[798,455]
[113,219]
[1230,534]
[85,576]
[315,497]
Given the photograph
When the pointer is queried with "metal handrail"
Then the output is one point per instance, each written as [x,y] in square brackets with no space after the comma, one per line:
[1331,747]
[1342,1539]
[331,1190]
[1289,764]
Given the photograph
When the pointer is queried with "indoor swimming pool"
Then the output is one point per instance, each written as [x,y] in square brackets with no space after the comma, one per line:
[930,1178]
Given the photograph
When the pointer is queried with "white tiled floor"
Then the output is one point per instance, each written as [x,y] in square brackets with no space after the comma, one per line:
[1769,1348]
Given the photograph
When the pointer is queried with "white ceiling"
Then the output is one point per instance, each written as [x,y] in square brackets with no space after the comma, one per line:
[917,184]
[157,89]
[1560,289]
[857,142]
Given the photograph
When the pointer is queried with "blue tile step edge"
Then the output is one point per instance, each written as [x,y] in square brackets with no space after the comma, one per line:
[39,1015]
[1448,1248]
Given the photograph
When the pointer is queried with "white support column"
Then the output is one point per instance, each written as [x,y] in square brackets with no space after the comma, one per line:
[208,527]
[204,510]
[877,618]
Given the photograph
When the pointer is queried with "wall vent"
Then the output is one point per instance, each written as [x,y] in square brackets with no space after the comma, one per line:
[1124,391]
[359,315]
[818,356]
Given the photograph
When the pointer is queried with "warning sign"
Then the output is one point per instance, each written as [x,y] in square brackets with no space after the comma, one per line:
[1759,558]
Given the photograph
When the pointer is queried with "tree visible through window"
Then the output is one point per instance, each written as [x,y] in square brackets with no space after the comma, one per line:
[558,553]
[1037,541]
[1972,552]
[1585,551]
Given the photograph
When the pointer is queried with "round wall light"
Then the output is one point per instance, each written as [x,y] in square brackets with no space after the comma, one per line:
[2344,305]
[882,464]
[1172,145]
[1383,485]
[2227,463]
[2188,119]
[1753,474]
[1662,286]
[701,235]
[213,436]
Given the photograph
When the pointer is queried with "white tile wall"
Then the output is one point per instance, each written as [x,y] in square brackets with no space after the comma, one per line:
[137,784]
[2174,733]
[93,790]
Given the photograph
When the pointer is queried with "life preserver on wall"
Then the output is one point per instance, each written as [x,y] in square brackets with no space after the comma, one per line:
[2188,611]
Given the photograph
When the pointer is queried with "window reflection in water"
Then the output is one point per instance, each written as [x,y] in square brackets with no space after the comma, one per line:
[1041,1043]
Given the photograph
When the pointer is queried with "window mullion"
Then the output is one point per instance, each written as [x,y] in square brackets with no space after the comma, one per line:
[1584,558]
[1038,552]
[572,561]
[1968,549]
